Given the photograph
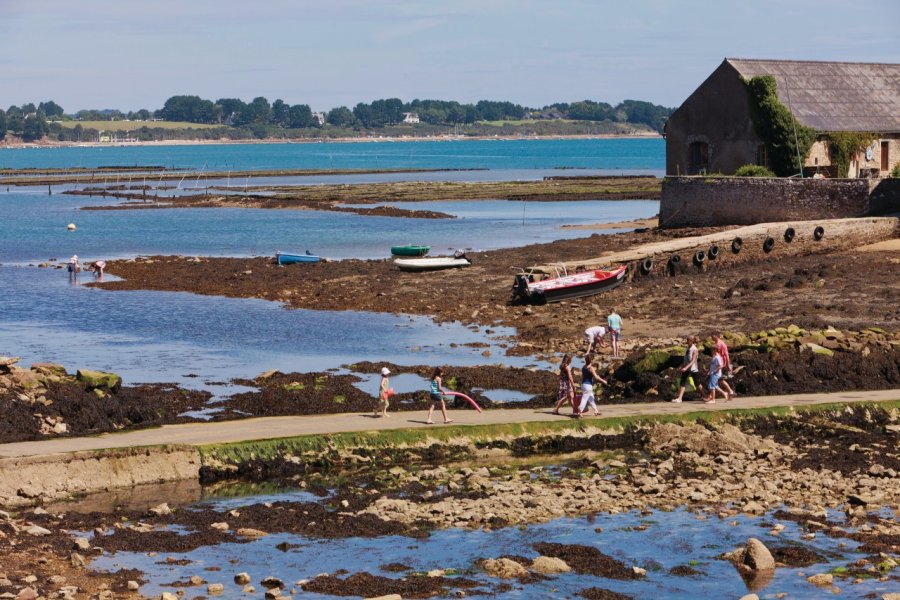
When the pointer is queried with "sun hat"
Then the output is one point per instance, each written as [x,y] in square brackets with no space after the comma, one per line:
[385,371]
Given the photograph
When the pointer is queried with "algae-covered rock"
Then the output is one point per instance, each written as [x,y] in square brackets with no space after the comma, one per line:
[817,349]
[98,379]
[653,362]
[46,368]
[794,330]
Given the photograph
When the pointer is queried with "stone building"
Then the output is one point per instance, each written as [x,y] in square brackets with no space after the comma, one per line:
[712,131]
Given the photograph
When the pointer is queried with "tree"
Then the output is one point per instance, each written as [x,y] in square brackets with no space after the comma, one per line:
[192,109]
[588,110]
[51,109]
[299,116]
[638,111]
[78,131]
[2,124]
[281,113]
[35,126]
[15,122]
[231,109]
[258,111]
[340,117]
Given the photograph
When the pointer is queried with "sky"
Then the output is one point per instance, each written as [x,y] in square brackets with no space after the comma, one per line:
[133,54]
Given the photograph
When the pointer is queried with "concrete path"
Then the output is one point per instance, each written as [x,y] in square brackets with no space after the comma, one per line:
[833,227]
[197,434]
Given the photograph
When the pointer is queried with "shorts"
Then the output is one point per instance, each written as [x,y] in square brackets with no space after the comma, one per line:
[71,268]
[615,333]
[714,381]
[435,397]
[683,380]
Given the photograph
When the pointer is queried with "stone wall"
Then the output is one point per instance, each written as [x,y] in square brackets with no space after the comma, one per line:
[40,479]
[712,201]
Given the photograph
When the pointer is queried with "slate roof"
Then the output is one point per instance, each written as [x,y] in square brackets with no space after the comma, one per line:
[834,96]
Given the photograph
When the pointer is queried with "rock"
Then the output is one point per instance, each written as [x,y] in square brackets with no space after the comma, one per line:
[821,579]
[267,374]
[242,578]
[548,565]
[862,499]
[273,593]
[82,544]
[27,593]
[817,349]
[248,532]
[750,597]
[753,508]
[387,597]
[57,580]
[161,510]
[220,526]
[756,557]
[639,571]
[168,596]
[8,361]
[77,560]
[133,586]
[272,582]
[46,368]
[890,596]
[504,568]
[196,580]
[248,589]
[98,379]
[214,589]
[653,362]
[36,530]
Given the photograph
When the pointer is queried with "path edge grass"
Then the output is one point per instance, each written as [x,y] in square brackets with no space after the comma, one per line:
[262,449]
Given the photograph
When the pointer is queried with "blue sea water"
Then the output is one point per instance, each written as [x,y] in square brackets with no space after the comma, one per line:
[611,154]
[193,340]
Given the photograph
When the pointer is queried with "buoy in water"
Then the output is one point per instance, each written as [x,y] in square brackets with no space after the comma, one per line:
[71,227]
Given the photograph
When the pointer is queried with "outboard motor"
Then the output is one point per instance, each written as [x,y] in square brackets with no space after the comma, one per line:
[520,286]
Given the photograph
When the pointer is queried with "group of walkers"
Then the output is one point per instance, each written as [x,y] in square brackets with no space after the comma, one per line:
[436,394]
[689,371]
[596,337]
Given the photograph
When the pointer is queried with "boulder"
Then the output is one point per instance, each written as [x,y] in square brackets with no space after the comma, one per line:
[46,368]
[98,379]
[821,579]
[248,532]
[161,510]
[38,531]
[817,349]
[214,589]
[27,593]
[756,557]
[504,568]
[654,362]
[548,565]
[242,578]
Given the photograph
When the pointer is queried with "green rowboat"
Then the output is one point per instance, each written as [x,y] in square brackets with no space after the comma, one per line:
[410,250]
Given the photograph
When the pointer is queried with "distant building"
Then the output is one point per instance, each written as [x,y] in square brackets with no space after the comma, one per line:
[319,117]
[410,117]
[712,132]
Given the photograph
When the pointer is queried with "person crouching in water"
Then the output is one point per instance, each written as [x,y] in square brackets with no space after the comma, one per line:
[588,378]
[97,267]
[565,389]
[436,395]
[384,393]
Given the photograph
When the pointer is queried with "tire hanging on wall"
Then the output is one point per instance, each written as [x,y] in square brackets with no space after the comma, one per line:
[736,245]
[713,252]
[699,257]
[768,244]
[672,264]
[789,234]
[646,265]
[818,233]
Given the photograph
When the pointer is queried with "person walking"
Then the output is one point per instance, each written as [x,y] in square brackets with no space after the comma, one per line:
[727,369]
[688,368]
[715,376]
[614,321]
[436,394]
[594,336]
[589,377]
[565,389]
[384,393]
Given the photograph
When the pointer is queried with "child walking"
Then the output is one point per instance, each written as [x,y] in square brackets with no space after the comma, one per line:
[565,389]
[384,393]
[436,394]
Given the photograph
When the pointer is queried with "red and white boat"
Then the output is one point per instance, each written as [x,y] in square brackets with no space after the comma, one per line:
[564,287]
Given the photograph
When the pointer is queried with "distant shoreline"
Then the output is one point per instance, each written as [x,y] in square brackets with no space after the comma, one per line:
[199,142]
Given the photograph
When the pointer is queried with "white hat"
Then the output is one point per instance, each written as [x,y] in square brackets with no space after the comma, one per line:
[385,371]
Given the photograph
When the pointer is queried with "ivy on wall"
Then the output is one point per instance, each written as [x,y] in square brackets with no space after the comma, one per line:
[845,145]
[775,126]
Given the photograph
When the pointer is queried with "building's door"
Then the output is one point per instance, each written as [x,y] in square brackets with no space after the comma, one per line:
[885,158]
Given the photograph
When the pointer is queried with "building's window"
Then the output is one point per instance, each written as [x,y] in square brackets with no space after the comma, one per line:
[885,157]
[762,156]
[698,158]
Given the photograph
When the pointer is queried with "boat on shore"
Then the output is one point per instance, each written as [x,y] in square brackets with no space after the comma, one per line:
[410,250]
[435,263]
[285,258]
[565,287]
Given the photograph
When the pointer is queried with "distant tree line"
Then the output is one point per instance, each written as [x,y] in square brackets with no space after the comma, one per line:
[259,118]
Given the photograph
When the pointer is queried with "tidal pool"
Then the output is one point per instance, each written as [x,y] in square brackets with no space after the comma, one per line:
[656,542]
